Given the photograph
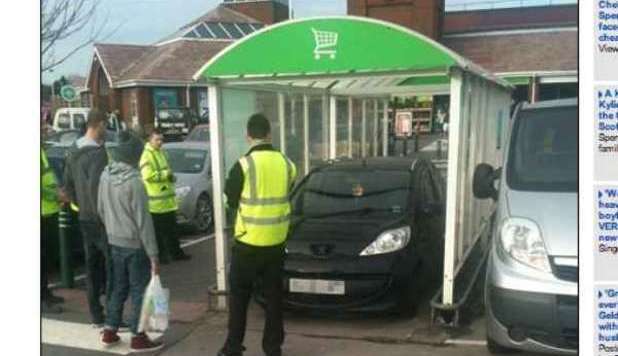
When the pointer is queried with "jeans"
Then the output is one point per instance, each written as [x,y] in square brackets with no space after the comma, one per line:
[166,233]
[49,232]
[96,251]
[247,265]
[130,276]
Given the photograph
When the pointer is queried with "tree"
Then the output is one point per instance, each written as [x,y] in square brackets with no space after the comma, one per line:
[58,84]
[62,19]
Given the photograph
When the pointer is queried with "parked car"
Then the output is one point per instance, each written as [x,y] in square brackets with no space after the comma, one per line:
[366,235]
[190,163]
[199,133]
[66,137]
[174,123]
[70,119]
[531,282]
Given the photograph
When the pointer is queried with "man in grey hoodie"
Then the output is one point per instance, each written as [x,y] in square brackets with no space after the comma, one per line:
[123,208]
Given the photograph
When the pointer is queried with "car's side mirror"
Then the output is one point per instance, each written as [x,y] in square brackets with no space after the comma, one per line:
[483,181]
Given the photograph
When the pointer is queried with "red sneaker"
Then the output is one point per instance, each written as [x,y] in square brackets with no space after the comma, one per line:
[142,343]
[109,338]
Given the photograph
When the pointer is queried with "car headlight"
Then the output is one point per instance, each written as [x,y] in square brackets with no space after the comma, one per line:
[521,239]
[388,241]
[182,192]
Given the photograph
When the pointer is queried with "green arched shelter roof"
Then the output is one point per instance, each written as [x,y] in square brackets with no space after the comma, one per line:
[308,47]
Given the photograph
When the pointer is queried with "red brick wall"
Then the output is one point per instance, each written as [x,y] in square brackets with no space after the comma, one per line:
[523,52]
[424,16]
[501,19]
[267,12]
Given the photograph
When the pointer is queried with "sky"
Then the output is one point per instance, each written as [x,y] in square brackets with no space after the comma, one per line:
[147,21]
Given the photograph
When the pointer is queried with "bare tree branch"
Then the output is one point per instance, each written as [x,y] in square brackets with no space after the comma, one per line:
[63,19]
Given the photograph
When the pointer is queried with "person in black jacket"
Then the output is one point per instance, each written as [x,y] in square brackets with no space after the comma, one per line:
[84,165]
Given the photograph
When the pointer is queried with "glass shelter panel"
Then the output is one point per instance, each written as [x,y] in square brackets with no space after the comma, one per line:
[342,127]
[318,130]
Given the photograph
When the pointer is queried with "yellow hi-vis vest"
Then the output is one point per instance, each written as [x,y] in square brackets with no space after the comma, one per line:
[49,186]
[156,174]
[263,217]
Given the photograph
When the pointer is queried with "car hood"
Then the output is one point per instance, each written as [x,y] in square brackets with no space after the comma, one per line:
[554,212]
[332,237]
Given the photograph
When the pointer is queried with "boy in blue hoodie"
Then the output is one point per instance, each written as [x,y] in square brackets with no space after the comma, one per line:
[123,208]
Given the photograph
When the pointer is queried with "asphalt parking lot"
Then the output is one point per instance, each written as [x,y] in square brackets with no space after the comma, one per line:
[197,331]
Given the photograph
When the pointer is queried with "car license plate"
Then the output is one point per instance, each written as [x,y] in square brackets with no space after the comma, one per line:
[317,286]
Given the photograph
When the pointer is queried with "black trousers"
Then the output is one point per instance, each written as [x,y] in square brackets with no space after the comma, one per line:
[248,265]
[98,264]
[166,232]
[49,233]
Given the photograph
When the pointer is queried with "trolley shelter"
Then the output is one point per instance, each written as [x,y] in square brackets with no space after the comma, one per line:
[325,84]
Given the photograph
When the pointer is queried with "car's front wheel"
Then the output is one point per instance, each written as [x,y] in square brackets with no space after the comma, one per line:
[203,214]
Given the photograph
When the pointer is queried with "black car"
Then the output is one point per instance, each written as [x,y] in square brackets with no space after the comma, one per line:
[366,235]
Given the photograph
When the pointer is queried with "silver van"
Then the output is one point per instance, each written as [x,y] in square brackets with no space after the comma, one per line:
[531,282]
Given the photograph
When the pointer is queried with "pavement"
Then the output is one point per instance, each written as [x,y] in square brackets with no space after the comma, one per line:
[196,330]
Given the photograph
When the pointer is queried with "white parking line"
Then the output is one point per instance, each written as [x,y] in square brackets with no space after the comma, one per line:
[185,244]
[82,336]
[465,342]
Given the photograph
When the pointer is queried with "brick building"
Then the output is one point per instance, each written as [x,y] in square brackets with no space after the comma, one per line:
[535,48]
[137,79]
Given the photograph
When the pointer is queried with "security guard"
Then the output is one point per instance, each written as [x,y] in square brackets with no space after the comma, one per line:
[258,187]
[159,181]
[50,207]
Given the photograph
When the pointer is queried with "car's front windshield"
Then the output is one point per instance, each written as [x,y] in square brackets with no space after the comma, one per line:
[333,192]
[543,152]
[189,161]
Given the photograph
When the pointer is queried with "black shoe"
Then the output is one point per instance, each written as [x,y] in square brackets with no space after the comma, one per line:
[182,257]
[49,308]
[224,352]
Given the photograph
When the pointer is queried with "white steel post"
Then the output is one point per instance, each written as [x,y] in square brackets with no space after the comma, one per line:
[293,115]
[350,126]
[376,114]
[306,132]
[218,175]
[385,129]
[453,175]
[281,100]
[325,136]
[364,130]
[333,127]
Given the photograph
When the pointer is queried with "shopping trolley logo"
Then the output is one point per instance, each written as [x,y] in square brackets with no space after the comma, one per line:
[325,43]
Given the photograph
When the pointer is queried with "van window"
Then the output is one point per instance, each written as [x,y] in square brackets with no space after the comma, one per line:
[543,152]
[64,121]
[79,120]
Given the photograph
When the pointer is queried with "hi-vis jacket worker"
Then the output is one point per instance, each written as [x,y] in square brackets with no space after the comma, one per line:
[50,207]
[159,182]
[258,187]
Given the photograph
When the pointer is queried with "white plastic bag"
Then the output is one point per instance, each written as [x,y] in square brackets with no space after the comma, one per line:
[155,307]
